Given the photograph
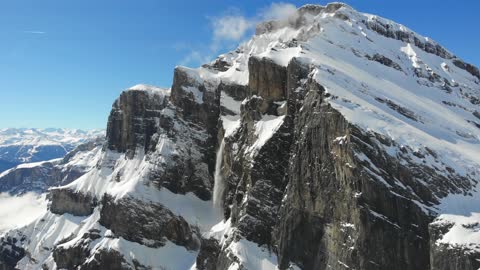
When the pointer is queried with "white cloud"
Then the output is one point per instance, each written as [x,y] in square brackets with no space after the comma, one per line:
[35,32]
[278,11]
[18,211]
[195,57]
[230,27]
[235,27]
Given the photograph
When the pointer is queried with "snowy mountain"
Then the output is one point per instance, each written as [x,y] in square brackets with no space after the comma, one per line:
[39,176]
[25,145]
[332,139]
[23,189]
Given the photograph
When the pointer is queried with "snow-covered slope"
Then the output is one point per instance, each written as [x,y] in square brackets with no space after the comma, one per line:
[25,145]
[23,189]
[340,137]
[39,176]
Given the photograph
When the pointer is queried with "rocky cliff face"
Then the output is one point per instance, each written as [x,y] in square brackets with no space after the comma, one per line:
[331,140]
[132,120]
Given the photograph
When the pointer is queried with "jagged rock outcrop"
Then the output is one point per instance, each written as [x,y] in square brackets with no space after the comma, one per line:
[132,121]
[448,254]
[331,201]
[10,252]
[74,257]
[149,224]
[208,255]
[64,200]
[109,259]
[267,79]
[196,100]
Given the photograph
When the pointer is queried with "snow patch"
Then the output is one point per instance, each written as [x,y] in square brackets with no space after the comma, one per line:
[264,130]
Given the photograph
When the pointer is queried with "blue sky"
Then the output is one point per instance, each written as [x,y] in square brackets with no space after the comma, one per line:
[63,63]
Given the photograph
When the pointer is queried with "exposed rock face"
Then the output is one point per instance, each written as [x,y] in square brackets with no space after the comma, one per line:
[387,30]
[468,67]
[29,179]
[190,123]
[10,253]
[64,200]
[267,79]
[447,257]
[73,257]
[336,200]
[207,257]
[384,61]
[196,100]
[109,259]
[132,121]
[190,167]
[148,224]
[450,255]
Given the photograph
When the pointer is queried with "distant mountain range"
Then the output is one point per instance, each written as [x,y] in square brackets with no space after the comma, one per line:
[24,145]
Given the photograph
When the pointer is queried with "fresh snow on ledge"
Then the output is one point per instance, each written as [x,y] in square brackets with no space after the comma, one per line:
[465,231]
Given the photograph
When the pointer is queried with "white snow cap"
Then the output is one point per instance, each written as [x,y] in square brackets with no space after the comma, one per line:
[146,87]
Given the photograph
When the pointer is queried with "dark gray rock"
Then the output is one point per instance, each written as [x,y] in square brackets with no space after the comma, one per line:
[468,67]
[10,252]
[191,123]
[195,100]
[132,121]
[401,110]
[236,91]
[73,257]
[190,167]
[64,200]
[149,224]
[208,255]
[256,182]
[409,37]
[108,260]
[384,61]
[220,64]
[445,256]
[338,213]
[267,79]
